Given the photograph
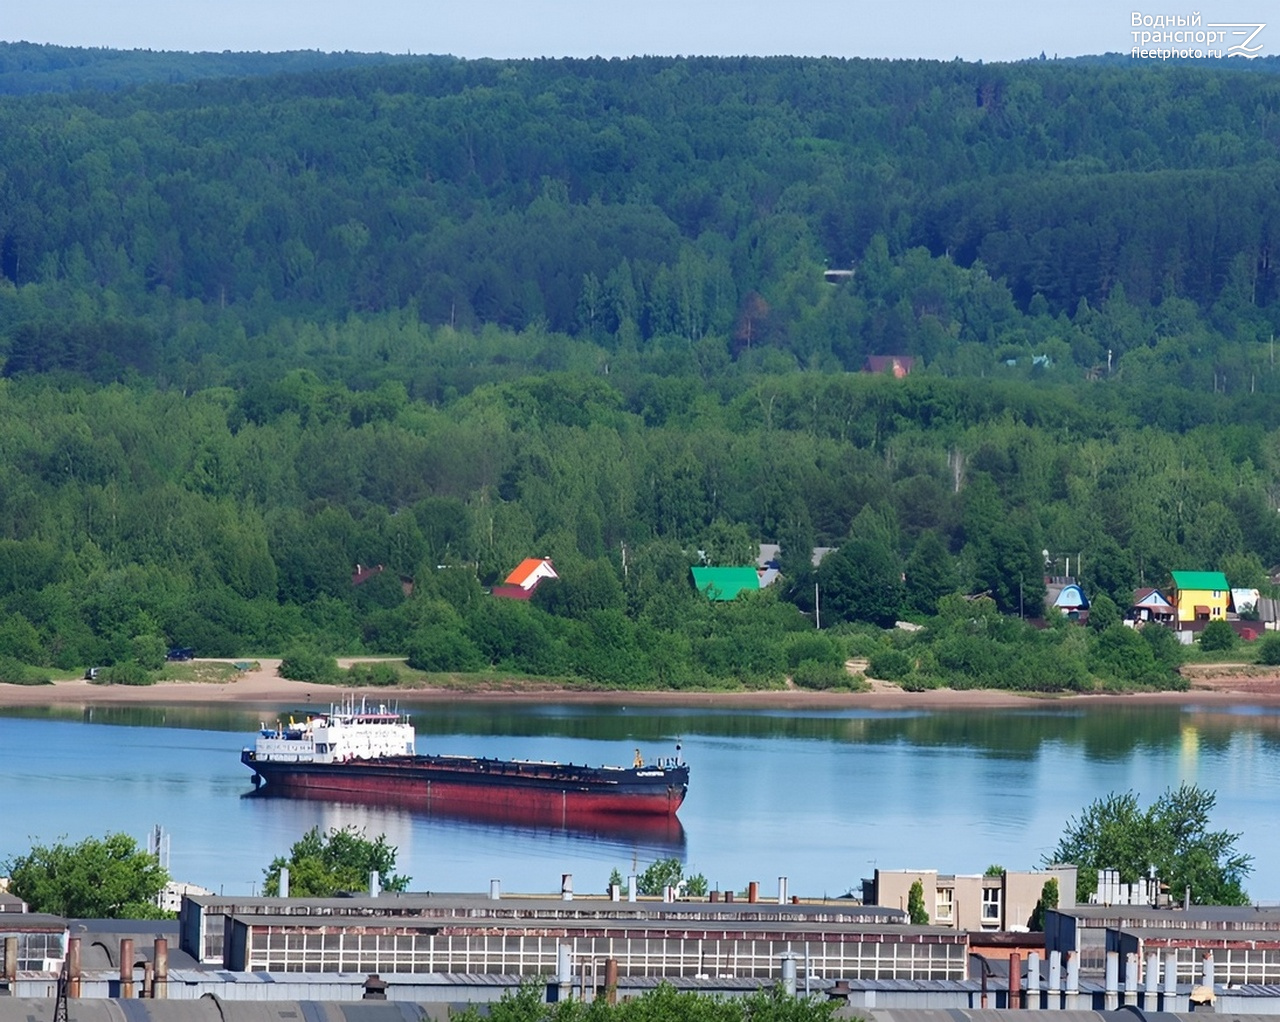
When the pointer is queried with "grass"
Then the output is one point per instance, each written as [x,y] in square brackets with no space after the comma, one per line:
[208,672]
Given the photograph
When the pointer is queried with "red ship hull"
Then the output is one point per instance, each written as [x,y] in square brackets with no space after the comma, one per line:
[551,792]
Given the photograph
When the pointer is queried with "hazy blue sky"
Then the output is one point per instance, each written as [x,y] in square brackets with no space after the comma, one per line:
[971,29]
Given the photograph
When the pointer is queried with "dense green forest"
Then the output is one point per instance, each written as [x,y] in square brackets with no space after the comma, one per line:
[441,315]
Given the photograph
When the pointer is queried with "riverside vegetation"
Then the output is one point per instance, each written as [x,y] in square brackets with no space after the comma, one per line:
[440,315]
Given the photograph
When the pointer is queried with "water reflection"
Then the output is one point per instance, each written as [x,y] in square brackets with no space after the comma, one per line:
[819,796]
[1100,731]
[661,833]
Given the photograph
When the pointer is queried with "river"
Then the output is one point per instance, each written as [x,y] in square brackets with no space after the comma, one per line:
[822,798]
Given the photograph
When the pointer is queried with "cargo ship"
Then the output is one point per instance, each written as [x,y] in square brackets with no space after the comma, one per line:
[361,752]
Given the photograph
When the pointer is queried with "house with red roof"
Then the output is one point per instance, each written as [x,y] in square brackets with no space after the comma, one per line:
[522,582]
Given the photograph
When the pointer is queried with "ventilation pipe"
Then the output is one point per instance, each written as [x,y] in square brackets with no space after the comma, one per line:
[495,890]
[284,881]
[564,971]
[611,979]
[1054,996]
[1112,994]
[566,887]
[10,963]
[1152,1000]
[160,983]
[375,883]
[1171,983]
[1033,981]
[73,967]
[126,968]
[789,973]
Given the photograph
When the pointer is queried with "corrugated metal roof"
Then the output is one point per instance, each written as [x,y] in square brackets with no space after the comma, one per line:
[1210,580]
[725,583]
[210,1009]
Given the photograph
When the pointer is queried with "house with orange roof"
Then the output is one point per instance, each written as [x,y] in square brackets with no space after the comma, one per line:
[522,582]
[896,365]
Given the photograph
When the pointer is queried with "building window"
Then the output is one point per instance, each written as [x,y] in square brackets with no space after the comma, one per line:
[991,905]
[945,904]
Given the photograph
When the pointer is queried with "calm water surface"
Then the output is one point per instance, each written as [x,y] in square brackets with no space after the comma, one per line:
[822,798]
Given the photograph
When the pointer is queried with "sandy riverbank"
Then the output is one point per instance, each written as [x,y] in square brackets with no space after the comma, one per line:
[1217,685]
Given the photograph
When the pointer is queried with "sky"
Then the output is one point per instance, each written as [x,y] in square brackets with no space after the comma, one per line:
[987,30]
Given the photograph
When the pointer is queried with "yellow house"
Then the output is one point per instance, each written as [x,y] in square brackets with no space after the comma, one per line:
[1201,595]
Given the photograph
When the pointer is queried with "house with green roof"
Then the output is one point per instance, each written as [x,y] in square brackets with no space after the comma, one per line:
[725,583]
[1201,595]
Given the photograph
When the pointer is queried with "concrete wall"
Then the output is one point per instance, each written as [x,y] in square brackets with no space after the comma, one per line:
[975,902]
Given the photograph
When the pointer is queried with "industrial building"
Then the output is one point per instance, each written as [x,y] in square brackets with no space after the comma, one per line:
[1000,901]
[437,950]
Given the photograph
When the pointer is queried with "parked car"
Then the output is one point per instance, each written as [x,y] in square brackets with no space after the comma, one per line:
[181,653]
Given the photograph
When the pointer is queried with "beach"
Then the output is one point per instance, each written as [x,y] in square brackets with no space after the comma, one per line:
[1211,685]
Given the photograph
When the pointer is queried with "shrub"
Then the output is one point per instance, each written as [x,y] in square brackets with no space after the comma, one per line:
[889,665]
[813,646]
[1217,636]
[149,651]
[819,674]
[127,672]
[1269,651]
[373,675]
[309,664]
[861,644]
[435,649]
[15,672]
[915,682]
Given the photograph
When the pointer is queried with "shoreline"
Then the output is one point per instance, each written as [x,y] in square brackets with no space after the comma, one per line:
[1221,686]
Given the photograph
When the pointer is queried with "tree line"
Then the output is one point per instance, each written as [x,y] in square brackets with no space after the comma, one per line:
[439,316]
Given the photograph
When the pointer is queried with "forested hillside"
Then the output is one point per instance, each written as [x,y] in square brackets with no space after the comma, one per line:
[442,315]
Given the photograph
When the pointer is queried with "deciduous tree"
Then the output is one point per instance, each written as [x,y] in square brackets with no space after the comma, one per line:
[99,878]
[321,865]
[916,912]
[1171,836]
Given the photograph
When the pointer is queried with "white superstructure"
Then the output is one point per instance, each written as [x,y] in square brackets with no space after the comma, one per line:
[344,733]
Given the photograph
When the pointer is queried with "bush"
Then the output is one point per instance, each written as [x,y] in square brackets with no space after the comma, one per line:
[814,646]
[127,672]
[150,651]
[861,644]
[15,672]
[373,675]
[435,649]
[1217,637]
[1269,651]
[817,674]
[889,665]
[306,664]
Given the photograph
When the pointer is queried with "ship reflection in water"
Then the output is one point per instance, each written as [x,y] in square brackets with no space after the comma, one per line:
[661,833]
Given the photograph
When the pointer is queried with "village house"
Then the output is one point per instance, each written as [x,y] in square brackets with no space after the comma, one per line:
[1150,605]
[521,583]
[722,584]
[1066,595]
[1201,596]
